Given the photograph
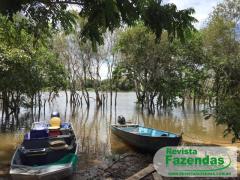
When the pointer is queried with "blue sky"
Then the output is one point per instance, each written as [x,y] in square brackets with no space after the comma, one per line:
[202,8]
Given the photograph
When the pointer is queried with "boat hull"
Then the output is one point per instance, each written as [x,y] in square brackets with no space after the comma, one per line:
[59,163]
[17,174]
[145,143]
[46,172]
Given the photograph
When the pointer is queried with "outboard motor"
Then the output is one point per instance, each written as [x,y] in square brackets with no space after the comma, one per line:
[121,120]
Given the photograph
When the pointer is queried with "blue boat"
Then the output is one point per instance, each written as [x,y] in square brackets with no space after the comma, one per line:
[145,139]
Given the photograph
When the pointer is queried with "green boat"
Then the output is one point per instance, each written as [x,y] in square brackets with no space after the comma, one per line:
[45,157]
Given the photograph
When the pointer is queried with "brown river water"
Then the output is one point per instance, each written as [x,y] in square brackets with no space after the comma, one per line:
[97,145]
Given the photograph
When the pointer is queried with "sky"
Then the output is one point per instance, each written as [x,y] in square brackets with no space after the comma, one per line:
[202,10]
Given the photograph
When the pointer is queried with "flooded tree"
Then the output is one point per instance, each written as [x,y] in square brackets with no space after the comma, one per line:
[161,71]
[27,68]
[223,46]
[111,59]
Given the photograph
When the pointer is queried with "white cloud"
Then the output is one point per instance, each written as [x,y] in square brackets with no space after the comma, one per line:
[202,8]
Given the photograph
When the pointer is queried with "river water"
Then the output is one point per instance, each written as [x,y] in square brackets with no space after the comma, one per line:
[93,132]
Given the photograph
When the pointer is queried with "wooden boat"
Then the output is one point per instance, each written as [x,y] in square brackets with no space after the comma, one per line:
[47,157]
[145,139]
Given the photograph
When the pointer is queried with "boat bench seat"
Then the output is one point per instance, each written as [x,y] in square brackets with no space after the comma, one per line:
[67,138]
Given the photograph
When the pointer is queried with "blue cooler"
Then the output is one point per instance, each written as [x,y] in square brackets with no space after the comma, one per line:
[39,130]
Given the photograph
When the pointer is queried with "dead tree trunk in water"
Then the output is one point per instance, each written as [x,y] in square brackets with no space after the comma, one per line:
[86,96]
[39,104]
[66,95]
[32,104]
[115,104]
[194,100]
[95,78]
[98,99]
[6,107]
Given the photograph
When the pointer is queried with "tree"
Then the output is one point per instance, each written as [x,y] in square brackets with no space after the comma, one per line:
[112,56]
[101,16]
[164,71]
[25,69]
[136,45]
[229,10]
[224,52]
[151,65]
[82,64]
[194,72]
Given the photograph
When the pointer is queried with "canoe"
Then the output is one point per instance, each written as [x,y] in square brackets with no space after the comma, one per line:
[45,158]
[145,139]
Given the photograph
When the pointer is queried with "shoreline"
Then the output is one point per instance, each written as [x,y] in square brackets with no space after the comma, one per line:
[129,165]
[124,166]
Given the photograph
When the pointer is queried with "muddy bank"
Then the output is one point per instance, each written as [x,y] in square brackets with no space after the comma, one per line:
[119,167]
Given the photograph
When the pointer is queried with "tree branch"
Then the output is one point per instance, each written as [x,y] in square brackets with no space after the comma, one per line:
[74,2]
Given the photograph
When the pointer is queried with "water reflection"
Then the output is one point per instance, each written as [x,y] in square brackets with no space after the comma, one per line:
[93,132]
[7,148]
